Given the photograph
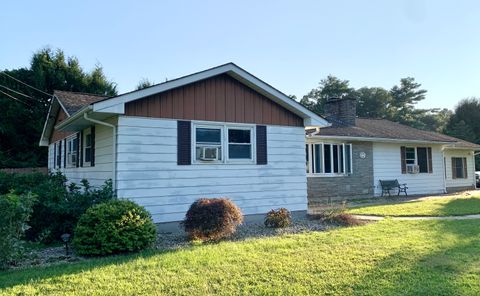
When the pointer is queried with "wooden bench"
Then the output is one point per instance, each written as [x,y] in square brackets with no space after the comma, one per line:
[388,185]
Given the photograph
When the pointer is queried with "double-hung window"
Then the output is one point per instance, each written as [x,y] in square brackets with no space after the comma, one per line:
[72,148]
[459,168]
[87,147]
[223,144]
[329,158]
[417,159]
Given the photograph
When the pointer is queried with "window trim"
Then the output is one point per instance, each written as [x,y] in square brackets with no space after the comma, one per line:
[87,132]
[464,168]
[68,153]
[224,127]
[311,164]
[415,148]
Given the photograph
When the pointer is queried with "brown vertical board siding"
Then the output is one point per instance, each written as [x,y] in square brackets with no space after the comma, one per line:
[239,103]
[220,108]
[200,100]
[220,98]
[58,135]
[210,102]
[229,101]
[189,102]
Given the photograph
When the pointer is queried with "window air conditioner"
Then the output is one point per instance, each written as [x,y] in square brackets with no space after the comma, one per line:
[412,169]
[209,153]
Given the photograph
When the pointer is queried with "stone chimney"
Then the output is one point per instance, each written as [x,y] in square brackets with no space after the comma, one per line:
[341,111]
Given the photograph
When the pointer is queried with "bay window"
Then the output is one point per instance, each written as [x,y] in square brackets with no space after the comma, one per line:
[329,158]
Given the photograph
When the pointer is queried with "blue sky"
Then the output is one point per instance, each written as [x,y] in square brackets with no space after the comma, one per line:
[289,44]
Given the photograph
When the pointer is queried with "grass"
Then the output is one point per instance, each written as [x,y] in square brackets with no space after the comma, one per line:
[384,258]
[438,206]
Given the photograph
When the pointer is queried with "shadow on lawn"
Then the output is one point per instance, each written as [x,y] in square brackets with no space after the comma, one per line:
[461,206]
[434,274]
[15,277]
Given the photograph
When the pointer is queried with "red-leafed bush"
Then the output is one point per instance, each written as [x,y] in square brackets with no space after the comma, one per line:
[278,218]
[212,219]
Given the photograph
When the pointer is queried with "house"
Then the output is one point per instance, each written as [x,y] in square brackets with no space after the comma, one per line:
[215,133]
[348,159]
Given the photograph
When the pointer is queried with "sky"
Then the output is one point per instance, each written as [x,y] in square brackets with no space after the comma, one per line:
[291,45]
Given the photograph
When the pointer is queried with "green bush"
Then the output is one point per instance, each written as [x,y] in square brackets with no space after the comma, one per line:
[115,226]
[278,218]
[57,207]
[14,213]
[212,219]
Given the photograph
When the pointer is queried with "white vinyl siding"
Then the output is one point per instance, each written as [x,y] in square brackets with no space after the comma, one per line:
[148,173]
[387,166]
[470,180]
[102,171]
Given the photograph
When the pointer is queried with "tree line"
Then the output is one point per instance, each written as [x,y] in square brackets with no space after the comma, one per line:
[25,95]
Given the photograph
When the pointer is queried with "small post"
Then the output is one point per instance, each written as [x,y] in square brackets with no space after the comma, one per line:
[66,238]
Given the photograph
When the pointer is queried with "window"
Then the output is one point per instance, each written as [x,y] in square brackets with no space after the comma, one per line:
[329,159]
[212,146]
[459,168]
[72,148]
[87,148]
[418,159]
[240,143]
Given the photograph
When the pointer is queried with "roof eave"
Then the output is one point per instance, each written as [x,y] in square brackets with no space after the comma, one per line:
[117,104]
[77,115]
[374,139]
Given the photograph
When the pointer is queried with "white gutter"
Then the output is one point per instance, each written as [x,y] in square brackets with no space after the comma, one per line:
[373,139]
[114,148]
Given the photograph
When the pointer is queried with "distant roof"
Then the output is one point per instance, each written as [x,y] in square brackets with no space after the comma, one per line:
[386,129]
[74,101]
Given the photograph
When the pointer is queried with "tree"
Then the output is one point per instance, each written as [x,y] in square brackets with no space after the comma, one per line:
[331,87]
[373,102]
[404,98]
[144,83]
[22,117]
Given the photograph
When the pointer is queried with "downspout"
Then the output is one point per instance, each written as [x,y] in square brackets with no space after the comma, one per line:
[444,173]
[114,148]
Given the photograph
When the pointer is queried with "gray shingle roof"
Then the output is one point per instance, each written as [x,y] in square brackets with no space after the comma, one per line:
[385,129]
[74,101]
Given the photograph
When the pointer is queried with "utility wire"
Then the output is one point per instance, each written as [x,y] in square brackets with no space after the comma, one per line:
[18,93]
[13,97]
[3,72]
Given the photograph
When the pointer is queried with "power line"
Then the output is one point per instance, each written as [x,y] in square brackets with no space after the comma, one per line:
[19,93]
[13,97]
[3,72]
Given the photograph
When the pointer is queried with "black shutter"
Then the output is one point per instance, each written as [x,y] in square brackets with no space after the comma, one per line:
[80,144]
[64,153]
[92,150]
[184,142]
[78,150]
[54,155]
[430,166]
[261,135]
[402,159]
[59,156]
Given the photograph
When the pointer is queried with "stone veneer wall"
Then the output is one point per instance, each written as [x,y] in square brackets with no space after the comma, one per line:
[356,186]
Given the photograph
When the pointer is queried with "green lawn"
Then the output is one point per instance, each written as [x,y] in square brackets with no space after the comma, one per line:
[384,258]
[438,206]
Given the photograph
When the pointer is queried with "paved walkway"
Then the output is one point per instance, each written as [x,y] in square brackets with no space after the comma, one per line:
[378,218]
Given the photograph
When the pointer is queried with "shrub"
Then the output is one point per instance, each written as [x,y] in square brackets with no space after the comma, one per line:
[278,218]
[211,219]
[116,226]
[57,207]
[14,213]
[336,214]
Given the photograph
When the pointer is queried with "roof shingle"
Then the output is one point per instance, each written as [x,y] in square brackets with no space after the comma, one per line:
[385,129]
[74,101]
